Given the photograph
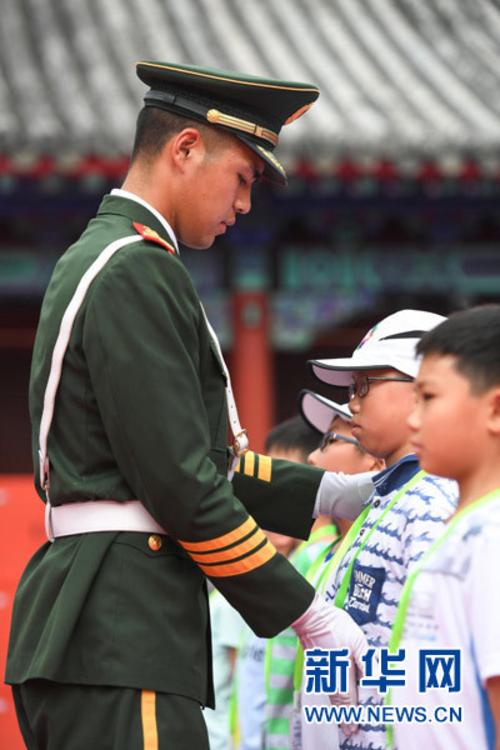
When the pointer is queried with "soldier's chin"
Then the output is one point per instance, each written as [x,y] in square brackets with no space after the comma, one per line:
[199,243]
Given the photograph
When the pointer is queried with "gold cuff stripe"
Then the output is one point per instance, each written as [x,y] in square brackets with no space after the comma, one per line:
[265,468]
[148,719]
[249,464]
[233,552]
[258,84]
[259,558]
[216,117]
[221,541]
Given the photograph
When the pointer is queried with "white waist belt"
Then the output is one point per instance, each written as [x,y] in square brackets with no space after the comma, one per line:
[99,515]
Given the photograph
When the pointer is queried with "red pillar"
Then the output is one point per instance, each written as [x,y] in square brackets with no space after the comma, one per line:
[252,365]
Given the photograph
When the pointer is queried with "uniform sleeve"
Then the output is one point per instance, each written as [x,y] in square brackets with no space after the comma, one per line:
[142,334]
[281,494]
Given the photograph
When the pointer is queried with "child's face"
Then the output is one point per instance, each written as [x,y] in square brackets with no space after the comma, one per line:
[339,455]
[448,422]
[379,419]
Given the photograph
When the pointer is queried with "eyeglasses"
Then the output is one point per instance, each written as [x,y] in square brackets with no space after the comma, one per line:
[333,437]
[361,386]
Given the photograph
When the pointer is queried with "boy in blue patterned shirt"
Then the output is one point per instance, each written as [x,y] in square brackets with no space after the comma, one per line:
[407,509]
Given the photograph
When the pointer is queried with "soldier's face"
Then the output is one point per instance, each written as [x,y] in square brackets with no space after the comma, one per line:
[219,187]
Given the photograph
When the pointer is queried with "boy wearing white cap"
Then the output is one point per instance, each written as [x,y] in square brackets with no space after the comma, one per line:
[407,509]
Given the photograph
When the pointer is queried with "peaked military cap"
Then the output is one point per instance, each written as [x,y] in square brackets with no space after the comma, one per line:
[252,109]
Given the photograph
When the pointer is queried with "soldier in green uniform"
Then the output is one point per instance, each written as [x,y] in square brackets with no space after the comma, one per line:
[130,401]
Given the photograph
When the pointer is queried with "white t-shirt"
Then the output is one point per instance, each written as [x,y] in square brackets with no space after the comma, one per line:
[455,604]
[251,690]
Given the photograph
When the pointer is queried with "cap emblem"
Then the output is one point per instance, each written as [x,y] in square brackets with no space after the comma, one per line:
[366,338]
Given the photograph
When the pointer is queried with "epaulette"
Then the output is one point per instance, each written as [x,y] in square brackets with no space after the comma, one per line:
[149,234]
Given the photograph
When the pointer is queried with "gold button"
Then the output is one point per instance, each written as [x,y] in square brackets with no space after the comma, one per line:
[155,542]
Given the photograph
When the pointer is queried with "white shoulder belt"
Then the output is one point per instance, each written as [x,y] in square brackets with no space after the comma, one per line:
[107,515]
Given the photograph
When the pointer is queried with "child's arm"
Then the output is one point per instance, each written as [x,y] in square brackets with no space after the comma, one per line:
[493,689]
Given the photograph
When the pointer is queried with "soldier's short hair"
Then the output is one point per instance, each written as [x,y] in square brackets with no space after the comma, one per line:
[155,127]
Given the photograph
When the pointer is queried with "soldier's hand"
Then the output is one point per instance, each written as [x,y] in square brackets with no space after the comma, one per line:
[324,626]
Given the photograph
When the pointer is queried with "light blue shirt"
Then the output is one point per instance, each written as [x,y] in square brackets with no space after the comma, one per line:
[227,626]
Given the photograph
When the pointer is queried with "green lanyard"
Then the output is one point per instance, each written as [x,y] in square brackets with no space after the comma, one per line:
[318,535]
[322,533]
[339,555]
[346,580]
[311,577]
[399,621]
[404,602]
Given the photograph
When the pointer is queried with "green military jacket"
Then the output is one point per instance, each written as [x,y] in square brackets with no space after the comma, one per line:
[141,414]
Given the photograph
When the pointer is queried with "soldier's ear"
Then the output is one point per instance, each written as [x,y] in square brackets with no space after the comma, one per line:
[187,149]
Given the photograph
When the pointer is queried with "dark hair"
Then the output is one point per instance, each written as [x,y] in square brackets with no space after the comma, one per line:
[156,126]
[293,434]
[472,337]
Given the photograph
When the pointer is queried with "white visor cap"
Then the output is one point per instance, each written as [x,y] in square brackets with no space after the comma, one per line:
[319,412]
[391,344]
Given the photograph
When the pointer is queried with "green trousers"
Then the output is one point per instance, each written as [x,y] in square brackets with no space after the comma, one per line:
[53,716]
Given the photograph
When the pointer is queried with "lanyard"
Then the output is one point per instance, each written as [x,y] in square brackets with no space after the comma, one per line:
[404,602]
[310,576]
[346,580]
[339,555]
[318,535]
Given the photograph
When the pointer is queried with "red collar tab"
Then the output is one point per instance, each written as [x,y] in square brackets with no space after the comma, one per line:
[152,236]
